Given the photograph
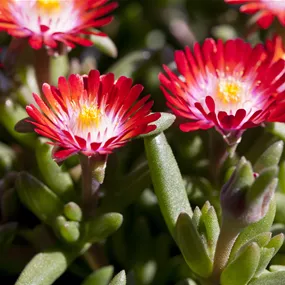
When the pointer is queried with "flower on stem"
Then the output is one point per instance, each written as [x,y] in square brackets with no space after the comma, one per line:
[91,114]
[47,22]
[230,86]
[266,10]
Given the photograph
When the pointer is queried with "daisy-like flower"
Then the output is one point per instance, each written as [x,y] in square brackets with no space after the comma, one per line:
[230,86]
[91,114]
[266,10]
[47,22]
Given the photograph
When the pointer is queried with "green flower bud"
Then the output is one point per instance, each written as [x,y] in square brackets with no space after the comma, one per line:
[73,212]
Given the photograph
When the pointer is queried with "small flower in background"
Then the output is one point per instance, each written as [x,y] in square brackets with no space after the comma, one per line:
[47,22]
[91,114]
[230,86]
[266,10]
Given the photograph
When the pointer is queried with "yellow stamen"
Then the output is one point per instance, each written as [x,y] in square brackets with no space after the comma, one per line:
[89,116]
[229,91]
[48,5]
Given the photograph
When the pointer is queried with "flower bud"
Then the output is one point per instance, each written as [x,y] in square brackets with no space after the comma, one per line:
[244,198]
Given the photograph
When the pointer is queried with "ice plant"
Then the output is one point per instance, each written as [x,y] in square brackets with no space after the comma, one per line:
[230,86]
[47,22]
[276,47]
[266,10]
[91,114]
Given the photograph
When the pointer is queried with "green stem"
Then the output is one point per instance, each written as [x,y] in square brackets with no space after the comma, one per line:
[89,197]
[42,67]
[227,238]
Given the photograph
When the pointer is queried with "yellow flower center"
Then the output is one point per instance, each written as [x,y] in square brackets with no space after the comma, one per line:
[89,116]
[48,5]
[229,91]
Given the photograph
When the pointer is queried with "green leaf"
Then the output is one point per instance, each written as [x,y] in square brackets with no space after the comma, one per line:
[167,180]
[270,157]
[105,45]
[101,276]
[242,269]
[281,177]
[212,226]
[264,225]
[10,114]
[277,129]
[192,247]
[119,279]
[275,278]
[69,231]
[162,124]
[276,268]
[103,226]
[7,158]
[38,198]
[276,242]
[130,63]
[46,267]
[266,255]
[56,179]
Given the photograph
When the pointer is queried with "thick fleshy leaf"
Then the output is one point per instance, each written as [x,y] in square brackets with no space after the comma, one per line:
[274,278]
[266,255]
[280,209]
[59,66]
[167,180]
[103,226]
[10,114]
[38,198]
[192,247]
[102,276]
[119,279]
[270,157]
[7,158]
[69,231]
[105,45]
[242,269]
[54,176]
[46,267]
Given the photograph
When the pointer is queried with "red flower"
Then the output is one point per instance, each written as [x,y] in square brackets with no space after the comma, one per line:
[276,47]
[91,114]
[51,21]
[266,10]
[230,86]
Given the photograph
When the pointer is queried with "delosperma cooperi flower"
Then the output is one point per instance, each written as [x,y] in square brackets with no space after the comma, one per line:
[231,86]
[47,22]
[91,114]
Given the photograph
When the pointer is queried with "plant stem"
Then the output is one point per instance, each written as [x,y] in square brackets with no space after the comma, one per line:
[227,238]
[89,196]
[42,67]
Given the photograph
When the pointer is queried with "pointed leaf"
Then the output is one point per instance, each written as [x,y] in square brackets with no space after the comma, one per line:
[119,279]
[266,255]
[105,45]
[102,276]
[270,157]
[192,247]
